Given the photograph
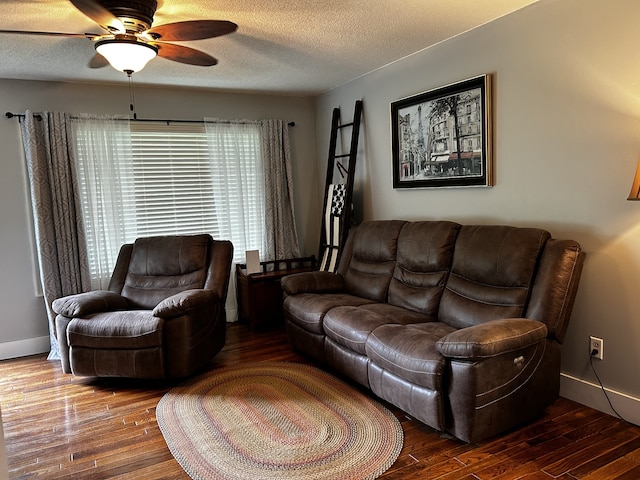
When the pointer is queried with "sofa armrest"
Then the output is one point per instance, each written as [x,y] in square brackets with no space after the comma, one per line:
[491,338]
[312,282]
[83,304]
[184,303]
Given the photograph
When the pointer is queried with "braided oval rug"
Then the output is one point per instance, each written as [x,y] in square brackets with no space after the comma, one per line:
[277,420]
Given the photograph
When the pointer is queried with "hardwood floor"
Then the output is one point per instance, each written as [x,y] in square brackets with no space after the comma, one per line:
[59,426]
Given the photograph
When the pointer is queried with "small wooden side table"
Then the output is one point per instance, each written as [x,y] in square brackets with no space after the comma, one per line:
[259,294]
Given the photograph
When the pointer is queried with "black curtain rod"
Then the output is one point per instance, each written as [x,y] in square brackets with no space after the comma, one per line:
[19,116]
[167,121]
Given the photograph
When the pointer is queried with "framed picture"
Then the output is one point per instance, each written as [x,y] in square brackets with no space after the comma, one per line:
[442,138]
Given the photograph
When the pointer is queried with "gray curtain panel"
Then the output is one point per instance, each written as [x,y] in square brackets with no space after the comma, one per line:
[282,236]
[60,243]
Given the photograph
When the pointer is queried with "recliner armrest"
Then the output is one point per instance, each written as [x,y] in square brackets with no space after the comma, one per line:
[312,282]
[184,303]
[491,338]
[86,303]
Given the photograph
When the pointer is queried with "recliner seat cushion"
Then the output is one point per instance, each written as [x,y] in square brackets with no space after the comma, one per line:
[308,310]
[133,329]
[351,326]
[409,352]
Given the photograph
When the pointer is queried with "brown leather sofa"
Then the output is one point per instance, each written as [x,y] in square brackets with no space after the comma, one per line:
[459,326]
[163,315]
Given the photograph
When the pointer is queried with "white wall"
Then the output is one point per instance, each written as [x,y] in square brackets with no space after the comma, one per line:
[23,324]
[567,138]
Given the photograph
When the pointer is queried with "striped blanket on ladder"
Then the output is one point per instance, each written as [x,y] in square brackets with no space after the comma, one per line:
[333,227]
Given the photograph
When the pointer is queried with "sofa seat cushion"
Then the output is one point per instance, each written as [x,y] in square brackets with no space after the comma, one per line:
[409,352]
[308,310]
[133,329]
[351,326]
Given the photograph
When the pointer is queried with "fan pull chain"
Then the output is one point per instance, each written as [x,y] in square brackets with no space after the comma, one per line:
[132,100]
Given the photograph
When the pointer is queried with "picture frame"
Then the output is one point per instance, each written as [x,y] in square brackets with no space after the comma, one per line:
[443,137]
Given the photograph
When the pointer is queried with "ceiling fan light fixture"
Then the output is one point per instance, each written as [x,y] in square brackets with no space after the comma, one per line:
[125,55]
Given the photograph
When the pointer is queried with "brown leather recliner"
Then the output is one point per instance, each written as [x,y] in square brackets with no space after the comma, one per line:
[461,326]
[163,315]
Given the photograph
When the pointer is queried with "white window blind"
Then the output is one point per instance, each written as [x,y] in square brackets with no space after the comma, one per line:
[170,179]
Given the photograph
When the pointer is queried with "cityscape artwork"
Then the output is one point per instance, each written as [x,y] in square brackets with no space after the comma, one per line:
[442,138]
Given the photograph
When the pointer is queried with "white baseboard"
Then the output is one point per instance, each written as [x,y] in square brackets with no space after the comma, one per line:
[591,395]
[23,348]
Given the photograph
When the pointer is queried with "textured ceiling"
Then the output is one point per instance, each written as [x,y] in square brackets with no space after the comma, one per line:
[282,46]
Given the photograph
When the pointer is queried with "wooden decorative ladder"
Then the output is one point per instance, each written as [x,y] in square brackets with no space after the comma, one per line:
[337,209]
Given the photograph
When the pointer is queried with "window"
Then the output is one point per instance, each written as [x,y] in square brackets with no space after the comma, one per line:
[168,179]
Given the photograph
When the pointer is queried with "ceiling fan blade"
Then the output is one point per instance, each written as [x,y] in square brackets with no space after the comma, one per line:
[98,61]
[53,34]
[192,30]
[181,54]
[99,14]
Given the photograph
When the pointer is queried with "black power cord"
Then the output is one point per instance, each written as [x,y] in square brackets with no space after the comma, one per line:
[606,395]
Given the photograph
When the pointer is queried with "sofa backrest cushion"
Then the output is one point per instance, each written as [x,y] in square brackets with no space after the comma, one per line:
[369,258]
[163,266]
[492,274]
[423,259]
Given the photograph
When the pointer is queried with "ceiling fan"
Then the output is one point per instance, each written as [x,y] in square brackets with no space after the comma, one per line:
[130,41]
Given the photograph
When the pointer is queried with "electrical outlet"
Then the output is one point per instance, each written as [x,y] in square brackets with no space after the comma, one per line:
[596,347]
